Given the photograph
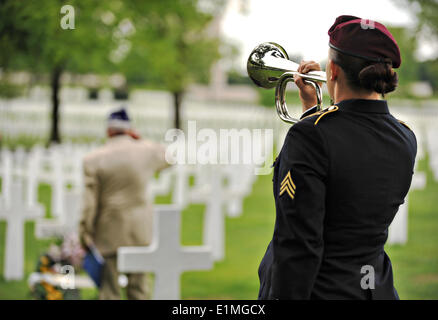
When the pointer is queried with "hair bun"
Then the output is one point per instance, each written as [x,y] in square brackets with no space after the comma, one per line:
[379,77]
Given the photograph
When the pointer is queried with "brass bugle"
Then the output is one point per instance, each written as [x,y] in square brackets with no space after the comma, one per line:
[269,66]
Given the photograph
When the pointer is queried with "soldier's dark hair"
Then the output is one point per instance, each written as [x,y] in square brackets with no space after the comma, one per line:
[366,74]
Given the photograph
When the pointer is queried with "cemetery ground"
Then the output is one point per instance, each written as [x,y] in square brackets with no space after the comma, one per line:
[415,264]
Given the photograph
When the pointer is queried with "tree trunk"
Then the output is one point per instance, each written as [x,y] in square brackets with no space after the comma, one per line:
[177,99]
[55,85]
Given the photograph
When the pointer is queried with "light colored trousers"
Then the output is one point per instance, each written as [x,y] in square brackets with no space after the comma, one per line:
[137,288]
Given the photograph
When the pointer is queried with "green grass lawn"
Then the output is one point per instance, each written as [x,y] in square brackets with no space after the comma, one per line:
[415,264]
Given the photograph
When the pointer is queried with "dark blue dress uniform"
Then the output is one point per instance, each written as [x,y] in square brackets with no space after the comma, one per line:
[338,182]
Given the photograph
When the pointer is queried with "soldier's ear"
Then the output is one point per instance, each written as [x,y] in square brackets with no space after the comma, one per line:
[334,70]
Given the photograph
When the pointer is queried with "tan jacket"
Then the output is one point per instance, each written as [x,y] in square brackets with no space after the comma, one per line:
[115,208]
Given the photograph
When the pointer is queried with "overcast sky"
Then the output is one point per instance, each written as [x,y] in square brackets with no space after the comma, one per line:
[301,26]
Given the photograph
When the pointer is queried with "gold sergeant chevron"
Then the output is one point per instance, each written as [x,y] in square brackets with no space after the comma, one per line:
[287,185]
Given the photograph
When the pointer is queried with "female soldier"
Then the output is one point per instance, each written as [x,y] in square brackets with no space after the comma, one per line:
[341,176]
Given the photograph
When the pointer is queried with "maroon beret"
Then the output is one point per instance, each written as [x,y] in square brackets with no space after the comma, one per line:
[364,39]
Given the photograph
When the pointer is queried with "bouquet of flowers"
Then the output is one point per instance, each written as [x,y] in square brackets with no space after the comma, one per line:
[46,282]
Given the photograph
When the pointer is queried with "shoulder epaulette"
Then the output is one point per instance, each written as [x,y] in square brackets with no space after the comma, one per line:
[403,123]
[322,113]
[325,112]
[312,114]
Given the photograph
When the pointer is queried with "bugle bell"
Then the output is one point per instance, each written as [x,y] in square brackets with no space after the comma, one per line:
[269,66]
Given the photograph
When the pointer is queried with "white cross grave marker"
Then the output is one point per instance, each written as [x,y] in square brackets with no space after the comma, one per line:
[33,164]
[179,194]
[165,257]
[160,186]
[58,184]
[240,180]
[210,190]
[6,176]
[214,219]
[398,230]
[69,222]
[15,215]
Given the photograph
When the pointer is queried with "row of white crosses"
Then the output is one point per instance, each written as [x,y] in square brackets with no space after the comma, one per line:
[21,174]
[152,115]
[214,195]
[208,189]
[43,166]
[62,166]
[15,214]
[219,198]
[213,230]
[165,257]
[56,167]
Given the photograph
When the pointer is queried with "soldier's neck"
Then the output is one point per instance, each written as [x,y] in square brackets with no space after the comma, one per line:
[345,93]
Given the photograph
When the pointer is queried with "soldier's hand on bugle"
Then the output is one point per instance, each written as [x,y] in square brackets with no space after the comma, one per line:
[307,91]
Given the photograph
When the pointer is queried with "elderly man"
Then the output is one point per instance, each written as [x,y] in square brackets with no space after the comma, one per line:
[116,211]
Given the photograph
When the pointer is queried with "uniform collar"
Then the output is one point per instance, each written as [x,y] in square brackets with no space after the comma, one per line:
[363,105]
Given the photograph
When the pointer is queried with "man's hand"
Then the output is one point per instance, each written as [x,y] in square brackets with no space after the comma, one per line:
[86,242]
[307,91]
[133,134]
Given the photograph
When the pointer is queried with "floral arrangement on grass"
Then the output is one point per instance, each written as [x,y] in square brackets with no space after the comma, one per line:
[46,283]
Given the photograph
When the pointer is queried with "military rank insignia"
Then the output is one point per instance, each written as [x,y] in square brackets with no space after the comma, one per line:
[287,185]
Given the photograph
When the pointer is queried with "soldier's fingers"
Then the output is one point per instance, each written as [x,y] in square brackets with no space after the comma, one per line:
[310,66]
[299,82]
[300,67]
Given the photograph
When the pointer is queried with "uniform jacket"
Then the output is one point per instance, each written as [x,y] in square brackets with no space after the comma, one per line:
[338,182]
[116,211]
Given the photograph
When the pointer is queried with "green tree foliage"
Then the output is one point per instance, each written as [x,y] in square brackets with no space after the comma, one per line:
[173,46]
[428,71]
[408,71]
[33,39]
[426,12]
[164,42]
